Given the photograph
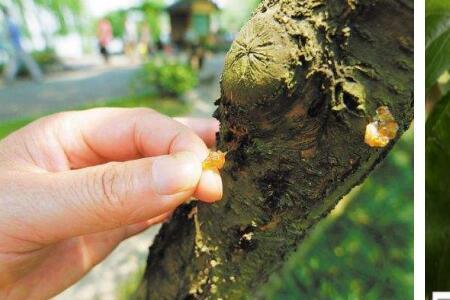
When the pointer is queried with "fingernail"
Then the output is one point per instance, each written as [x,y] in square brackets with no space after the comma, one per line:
[176,173]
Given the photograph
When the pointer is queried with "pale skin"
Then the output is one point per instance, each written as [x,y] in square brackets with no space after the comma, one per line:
[74,185]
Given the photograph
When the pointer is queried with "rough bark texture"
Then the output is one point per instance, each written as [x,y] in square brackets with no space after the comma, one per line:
[301,83]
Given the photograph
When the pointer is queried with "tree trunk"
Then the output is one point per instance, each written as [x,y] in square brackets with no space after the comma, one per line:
[300,85]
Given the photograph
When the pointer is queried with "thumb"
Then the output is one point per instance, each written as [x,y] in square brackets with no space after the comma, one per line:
[113,195]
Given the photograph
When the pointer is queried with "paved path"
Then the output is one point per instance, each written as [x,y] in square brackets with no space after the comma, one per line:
[63,91]
[102,282]
[203,97]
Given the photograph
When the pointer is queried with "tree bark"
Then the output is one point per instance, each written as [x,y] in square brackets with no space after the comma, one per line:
[300,84]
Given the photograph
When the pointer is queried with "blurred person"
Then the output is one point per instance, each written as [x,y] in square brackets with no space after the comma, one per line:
[197,51]
[17,54]
[130,39]
[145,41]
[159,45]
[104,36]
[76,184]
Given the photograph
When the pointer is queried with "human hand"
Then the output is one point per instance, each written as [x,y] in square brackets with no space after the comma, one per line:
[76,184]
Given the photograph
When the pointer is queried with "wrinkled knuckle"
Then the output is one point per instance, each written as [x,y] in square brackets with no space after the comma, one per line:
[52,122]
[110,186]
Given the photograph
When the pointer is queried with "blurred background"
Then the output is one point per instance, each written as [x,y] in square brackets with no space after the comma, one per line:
[58,55]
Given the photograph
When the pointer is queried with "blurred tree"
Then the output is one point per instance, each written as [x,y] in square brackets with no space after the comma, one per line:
[117,19]
[236,13]
[67,14]
[151,10]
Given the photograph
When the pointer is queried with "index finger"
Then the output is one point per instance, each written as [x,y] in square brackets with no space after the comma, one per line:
[107,134]
[205,128]
[127,134]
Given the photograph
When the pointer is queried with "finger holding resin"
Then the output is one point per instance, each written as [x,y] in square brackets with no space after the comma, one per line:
[214,161]
[211,177]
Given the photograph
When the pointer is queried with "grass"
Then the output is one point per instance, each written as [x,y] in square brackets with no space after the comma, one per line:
[168,106]
[10,126]
[126,289]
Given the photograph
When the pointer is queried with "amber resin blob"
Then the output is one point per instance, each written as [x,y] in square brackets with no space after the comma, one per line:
[382,130]
[214,161]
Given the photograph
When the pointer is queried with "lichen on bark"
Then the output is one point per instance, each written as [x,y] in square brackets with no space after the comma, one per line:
[300,84]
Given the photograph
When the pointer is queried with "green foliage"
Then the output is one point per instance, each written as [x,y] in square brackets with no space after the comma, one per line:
[66,12]
[437,208]
[151,10]
[165,76]
[117,19]
[437,154]
[236,13]
[437,34]
[126,289]
[364,250]
[46,57]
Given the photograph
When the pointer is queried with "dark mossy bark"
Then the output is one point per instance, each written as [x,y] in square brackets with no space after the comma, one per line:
[301,83]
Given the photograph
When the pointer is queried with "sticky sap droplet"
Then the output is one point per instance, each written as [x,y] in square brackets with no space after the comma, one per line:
[374,138]
[214,161]
[382,130]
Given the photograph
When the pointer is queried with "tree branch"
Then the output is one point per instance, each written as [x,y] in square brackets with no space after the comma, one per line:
[300,85]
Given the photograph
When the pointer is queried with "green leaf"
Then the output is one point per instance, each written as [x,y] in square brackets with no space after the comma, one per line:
[437,40]
[437,208]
